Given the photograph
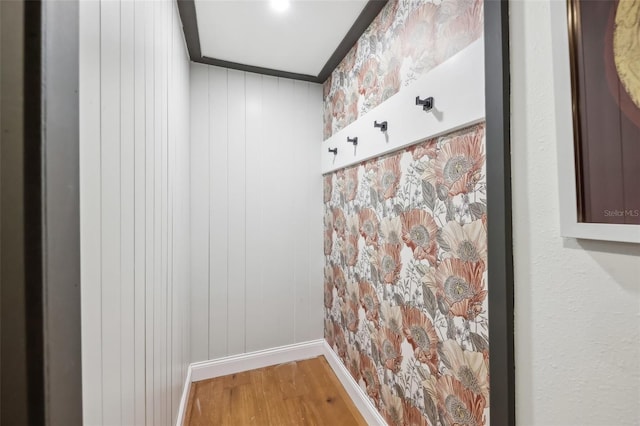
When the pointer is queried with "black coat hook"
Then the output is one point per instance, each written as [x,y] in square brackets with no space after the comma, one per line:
[354,141]
[382,125]
[334,150]
[427,104]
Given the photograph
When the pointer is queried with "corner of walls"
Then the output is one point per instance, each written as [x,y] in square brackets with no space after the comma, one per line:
[255,228]
[134,161]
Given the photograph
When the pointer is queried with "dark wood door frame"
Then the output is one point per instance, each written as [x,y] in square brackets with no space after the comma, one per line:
[51,216]
[498,114]
[41,374]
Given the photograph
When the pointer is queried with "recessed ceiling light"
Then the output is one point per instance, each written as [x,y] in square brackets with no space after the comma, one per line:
[279,5]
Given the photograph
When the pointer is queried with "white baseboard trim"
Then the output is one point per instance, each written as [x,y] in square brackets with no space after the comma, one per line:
[297,352]
[252,360]
[184,400]
[357,394]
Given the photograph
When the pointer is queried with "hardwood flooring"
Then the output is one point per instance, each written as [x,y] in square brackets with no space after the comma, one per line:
[297,393]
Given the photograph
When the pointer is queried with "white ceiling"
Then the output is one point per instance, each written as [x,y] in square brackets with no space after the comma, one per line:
[299,40]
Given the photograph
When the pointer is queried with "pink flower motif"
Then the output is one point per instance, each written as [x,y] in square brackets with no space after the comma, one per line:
[412,415]
[350,316]
[341,342]
[338,103]
[388,177]
[388,344]
[419,30]
[350,250]
[350,183]
[461,286]
[339,221]
[326,88]
[428,148]
[419,232]
[390,84]
[327,188]
[458,404]
[349,61]
[386,17]
[369,226]
[368,78]
[459,162]
[389,264]
[370,377]
[328,294]
[339,281]
[369,301]
[328,241]
[421,334]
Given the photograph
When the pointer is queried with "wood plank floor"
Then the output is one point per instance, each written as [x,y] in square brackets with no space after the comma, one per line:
[297,393]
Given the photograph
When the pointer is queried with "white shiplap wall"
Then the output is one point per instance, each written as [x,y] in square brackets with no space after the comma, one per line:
[256,212]
[134,209]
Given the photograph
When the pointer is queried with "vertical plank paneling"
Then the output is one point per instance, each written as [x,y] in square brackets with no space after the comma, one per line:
[218,197]
[301,209]
[127,349]
[265,217]
[200,211]
[149,210]
[163,389]
[91,213]
[314,218]
[172,181]
[254,240]
[265,214]
[270,215]
[110,190]
[134,76]
[139,212]
[170,155]
[183,138]
[237,211]
[180,208]
[158,315]
[180,212]
[281,257]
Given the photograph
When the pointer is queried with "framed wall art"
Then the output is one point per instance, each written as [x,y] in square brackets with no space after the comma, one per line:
[597,79]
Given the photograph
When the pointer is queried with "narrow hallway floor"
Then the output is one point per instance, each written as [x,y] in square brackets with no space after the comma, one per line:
[296,393]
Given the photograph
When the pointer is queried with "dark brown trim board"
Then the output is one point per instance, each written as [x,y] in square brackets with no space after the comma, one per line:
[14,374]
[187,11]
[40,380]
[33,205]
[21,308]
[500,246]
[257,70]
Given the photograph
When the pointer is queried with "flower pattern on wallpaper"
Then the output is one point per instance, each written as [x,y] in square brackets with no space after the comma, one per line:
[406,40]
[405,290]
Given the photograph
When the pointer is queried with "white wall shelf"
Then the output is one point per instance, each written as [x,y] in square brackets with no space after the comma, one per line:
[457,86]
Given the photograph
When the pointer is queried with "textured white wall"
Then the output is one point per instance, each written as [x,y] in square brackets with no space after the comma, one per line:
[256,212]
[577,302]
[134,211]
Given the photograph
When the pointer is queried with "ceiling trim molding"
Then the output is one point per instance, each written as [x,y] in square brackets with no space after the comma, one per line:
[187,10]
[257,70]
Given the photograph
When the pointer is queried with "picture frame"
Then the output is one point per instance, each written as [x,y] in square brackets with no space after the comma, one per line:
[604,221]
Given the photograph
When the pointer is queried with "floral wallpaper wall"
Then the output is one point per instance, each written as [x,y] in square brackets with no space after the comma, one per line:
[406,40]
[405,290]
